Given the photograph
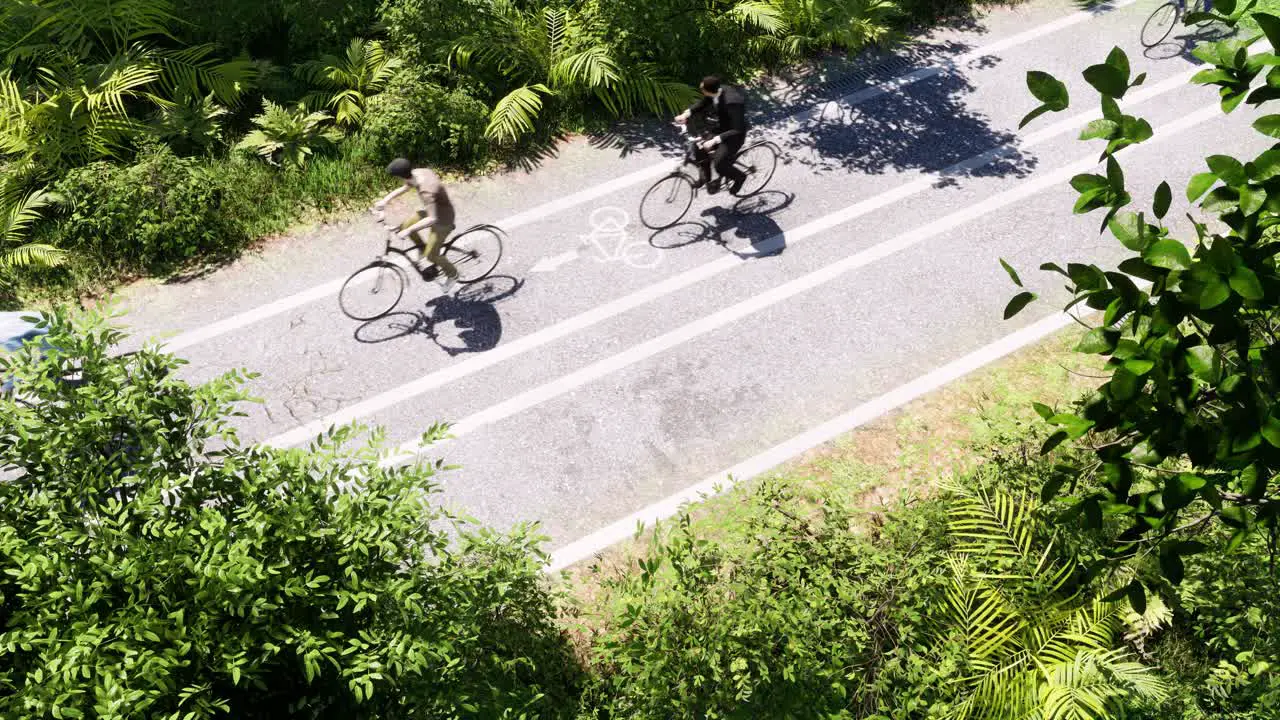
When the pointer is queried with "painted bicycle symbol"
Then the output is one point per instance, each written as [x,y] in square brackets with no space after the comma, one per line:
[609,225]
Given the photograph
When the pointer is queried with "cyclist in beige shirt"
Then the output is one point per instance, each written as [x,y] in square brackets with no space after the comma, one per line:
[436,213]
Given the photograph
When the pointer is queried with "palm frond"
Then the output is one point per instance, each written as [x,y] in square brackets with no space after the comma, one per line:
[761,15]
[17,218]
[33,255]
[195,70]
[515,114]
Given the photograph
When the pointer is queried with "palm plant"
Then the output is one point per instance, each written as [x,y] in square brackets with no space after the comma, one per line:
[815,25]
[83,69]
[1035,650]
[347,82]
[288,136]
[544,50]
[191,123]
[18,212]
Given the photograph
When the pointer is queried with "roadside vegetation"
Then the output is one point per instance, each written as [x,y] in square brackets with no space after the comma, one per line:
[142,137]
[1087,531]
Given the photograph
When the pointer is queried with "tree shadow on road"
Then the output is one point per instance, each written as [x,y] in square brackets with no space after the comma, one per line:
[749,219]
[928,128]
[465,322]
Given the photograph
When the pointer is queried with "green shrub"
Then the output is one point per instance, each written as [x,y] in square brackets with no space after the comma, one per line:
[151,566]
[784,614]
[266,200]
[424,122]
[155,214]
[1223,648]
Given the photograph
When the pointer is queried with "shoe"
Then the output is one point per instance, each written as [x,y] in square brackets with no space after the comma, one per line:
[447,284]
[699,183]
[736,185]
[713,187]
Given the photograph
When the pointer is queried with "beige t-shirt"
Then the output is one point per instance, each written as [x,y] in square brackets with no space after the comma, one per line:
[434,198]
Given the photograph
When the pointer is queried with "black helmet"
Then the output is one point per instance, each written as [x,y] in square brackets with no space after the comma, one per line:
[400,167]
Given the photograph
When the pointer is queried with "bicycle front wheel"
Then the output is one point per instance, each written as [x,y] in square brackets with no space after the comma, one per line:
[475,253]
[372,291]
[1160,24]
[759,162]
[667,201]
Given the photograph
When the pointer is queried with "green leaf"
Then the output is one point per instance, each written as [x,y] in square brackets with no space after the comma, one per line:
[1042,410]
[1018,303]
[1265,166]
[1118,60]
[1200,185]
[1107,80]
[1048,90]
[1251,199]
[1227,168]
[1115,175]
[1179,490]
[1270,25]
[1212,76]
[1085,182]
[1111,110]
[1053,441]
[1092,514]
[1123,385]
[1144,453]
[1127,227]
[1164,198]
[1205,363]
[1137,595]
[1245,282]
[1253,482]
[1271,430]
[1051,486]
[1237,539]
[1026,119]
[1097,342]
[1221,201]
[1171,565]
[1100,129]
[1013,275]
[1268,125]
[1139,366]
[1167,254]
[1215,293]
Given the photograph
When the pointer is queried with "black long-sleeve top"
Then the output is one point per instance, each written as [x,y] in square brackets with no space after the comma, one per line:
[730,111]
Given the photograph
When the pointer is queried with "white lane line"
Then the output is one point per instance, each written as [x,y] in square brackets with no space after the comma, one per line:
[616,307]
[625,528]
[329,289]
[697,328]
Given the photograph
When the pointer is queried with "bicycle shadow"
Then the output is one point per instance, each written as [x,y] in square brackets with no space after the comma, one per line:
[748,219]
[464,322]
[1181,43]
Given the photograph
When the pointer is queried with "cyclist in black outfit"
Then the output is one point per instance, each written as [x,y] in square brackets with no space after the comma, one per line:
[724,107]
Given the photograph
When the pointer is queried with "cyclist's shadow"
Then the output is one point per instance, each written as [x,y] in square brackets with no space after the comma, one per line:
[750,220]
[464,322]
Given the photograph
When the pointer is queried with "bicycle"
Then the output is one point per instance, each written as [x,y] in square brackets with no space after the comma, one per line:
[1170,12]
[474,252]
[675,192]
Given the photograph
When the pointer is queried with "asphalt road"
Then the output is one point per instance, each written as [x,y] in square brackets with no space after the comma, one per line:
[588,384]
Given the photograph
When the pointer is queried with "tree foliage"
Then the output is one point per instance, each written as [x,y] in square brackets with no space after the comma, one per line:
[1185,432]
[152,565]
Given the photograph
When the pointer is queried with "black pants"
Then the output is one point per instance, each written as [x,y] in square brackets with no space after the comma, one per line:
[722,157]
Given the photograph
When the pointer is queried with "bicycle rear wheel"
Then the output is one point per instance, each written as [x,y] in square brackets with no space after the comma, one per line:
[372,291]
[667,201]
[1160,24]
[758,161]
[475,252]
